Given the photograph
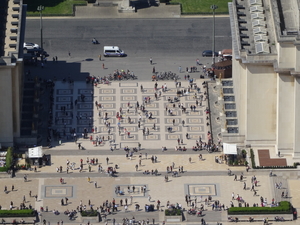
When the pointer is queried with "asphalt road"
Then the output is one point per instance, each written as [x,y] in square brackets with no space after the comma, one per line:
[170,42]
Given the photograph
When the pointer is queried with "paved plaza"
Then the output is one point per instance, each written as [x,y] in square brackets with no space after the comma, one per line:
[200,178]
[125,96]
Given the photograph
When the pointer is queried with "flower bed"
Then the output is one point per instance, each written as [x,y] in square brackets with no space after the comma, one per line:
[283,208]
[17,213]
[89,213]
[173,212]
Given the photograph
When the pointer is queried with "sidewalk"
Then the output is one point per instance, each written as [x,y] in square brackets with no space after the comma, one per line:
[154,12]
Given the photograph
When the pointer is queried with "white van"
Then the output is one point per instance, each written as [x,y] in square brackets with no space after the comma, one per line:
[112,51]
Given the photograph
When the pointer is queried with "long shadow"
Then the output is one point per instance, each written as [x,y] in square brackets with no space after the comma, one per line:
[143,4]
[51,111]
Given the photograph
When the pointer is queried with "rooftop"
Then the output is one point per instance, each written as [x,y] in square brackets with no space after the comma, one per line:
[12,23]
[252,26]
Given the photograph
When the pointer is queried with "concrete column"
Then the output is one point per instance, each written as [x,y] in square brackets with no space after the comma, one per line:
[297,119]
[125,3]
[6,108]
[285,113]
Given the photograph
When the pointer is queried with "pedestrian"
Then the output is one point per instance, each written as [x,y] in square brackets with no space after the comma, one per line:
[95,183]
[179,69]
[107,160]
[69,53]
[150,60]
[149,198]
[103,67]
[247,168]
[190,160]
[89,179]
[99,57]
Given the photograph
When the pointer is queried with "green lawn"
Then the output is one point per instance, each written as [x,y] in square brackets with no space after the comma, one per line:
[54,7]
[65,7]
[203,6]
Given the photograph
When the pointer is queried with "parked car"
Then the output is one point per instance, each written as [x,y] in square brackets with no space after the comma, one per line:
[209,53]
[28,45]
[37,52]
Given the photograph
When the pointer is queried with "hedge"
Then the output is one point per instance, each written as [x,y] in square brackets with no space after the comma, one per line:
[89,213]
[283,208]
[252,158]
[9,157]
[17,213]
[3,169]
[173,212]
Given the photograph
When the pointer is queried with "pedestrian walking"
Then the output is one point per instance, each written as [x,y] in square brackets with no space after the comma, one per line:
[150,60]
[103,66]
[99,57]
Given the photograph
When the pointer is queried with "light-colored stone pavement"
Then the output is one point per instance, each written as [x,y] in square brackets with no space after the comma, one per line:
[127,165]
[212,176]
[162,11]
[118,95]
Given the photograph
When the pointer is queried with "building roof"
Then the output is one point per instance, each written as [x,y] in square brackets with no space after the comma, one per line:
[12,23]
[256,26]
[250,19]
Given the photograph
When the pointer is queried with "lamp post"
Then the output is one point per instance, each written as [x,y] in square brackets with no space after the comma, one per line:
[213,7]
[40,8]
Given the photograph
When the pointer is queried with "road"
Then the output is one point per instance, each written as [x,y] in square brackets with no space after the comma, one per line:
[170,42]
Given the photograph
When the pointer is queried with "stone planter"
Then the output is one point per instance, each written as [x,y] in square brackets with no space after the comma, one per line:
[174,219]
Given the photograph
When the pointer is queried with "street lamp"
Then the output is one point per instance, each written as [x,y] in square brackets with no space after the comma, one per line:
[213,7]
[40,8]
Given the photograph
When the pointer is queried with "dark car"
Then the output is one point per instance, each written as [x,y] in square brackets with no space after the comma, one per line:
[209,53]
[37,52]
